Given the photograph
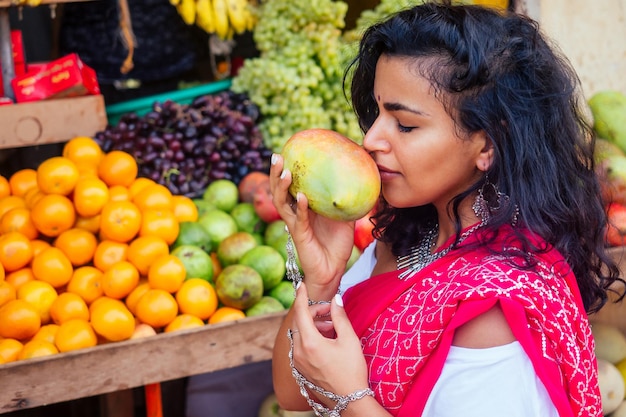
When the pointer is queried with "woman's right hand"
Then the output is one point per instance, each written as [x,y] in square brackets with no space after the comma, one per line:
[323,245]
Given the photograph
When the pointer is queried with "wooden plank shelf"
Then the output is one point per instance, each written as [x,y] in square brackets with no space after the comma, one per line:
[51,121]
[120,366]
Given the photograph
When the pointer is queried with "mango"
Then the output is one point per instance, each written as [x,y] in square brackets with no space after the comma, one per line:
[609,116]
[338,177]
[612,174]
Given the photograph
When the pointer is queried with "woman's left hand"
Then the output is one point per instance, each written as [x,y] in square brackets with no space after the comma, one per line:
[334,364]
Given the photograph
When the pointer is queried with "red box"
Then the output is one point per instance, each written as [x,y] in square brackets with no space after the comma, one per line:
[64,77]
[19,61]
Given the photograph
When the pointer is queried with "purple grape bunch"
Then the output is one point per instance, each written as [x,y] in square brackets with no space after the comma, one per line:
[186,146]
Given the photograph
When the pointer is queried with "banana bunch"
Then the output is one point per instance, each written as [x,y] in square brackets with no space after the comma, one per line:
[30,3]
[222,17]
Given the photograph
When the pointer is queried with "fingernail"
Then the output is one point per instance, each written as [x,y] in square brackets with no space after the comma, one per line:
[274,159]
[283,174]
[298,285]
[298,195]
[339,300]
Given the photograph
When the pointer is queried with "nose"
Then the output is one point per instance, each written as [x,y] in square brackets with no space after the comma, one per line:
[374,139]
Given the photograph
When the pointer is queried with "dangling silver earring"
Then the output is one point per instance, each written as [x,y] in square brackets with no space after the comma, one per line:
[483,209]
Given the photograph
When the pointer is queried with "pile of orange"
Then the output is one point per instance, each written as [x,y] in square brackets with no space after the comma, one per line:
[84,256]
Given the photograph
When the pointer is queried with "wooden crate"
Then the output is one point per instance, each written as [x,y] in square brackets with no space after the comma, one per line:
[117,367]
[51,121]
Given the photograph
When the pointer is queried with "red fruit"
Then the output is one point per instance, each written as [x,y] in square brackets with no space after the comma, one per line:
[263,205]
[363,231]
[616,229]
[249,184]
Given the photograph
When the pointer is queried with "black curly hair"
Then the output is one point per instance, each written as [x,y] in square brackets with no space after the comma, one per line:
[495,72]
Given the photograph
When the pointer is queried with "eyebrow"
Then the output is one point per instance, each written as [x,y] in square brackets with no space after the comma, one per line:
[402,107]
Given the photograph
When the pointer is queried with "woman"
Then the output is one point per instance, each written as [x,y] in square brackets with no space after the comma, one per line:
[489,248]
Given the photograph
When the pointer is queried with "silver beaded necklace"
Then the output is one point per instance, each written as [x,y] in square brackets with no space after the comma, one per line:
[421,255]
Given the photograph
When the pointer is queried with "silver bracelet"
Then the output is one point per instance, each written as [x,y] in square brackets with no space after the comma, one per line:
[293,271]
[319,409]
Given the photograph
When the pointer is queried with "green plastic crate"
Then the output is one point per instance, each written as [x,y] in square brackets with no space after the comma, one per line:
[143,105]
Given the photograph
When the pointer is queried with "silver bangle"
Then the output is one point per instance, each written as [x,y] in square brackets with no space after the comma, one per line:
[313,302]
[319,409]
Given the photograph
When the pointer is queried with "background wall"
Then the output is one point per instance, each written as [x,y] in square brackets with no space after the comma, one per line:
[592,34]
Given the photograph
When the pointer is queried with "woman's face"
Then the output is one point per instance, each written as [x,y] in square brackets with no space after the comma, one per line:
[415,142]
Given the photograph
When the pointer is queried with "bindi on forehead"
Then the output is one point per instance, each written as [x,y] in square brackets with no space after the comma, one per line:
[378,97]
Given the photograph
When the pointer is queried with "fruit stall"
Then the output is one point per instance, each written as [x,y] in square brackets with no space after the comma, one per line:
[148,250]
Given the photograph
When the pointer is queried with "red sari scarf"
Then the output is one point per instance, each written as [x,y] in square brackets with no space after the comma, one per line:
[406,327]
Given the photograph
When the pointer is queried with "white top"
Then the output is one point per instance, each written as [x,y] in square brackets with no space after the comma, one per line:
[493,382]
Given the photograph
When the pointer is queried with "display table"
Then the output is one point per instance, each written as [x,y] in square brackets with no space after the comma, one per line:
[134,363]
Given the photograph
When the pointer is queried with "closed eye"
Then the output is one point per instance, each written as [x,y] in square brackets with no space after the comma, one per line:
[405,129]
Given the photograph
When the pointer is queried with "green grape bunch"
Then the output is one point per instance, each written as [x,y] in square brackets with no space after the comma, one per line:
[297,79]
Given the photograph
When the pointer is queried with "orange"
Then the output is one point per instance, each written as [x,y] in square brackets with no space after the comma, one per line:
[90,195]
[157,308]
[20,277]
[133,298]
[119,280]
[36,349]
[144,250]
[87,171]
[22,180]
[198,297]
[111,319]
[19,320]
[46,332]
[7,293]
[154,196]
[182,322]
[118,168]
[90,224]
[161,223]
[53,214]
[167,273]
[139,184]
[38,245]
[18,220]
[5,187]
[10,202]
[83,150]
[68,306]
[119,193]
[32,196]
[53,266]
[57,175]
[108,253]
[185,210]
[120,221]
[15,251]
[2,273]
[78,245]
[75,334]
[224,314]
[86,282]
[143,330]
[40,295]
[10,349]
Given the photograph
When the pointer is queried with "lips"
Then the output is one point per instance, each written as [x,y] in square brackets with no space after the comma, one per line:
[386,173]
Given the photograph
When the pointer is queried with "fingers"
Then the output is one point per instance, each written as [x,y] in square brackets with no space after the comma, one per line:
[341,323]
[279,185]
